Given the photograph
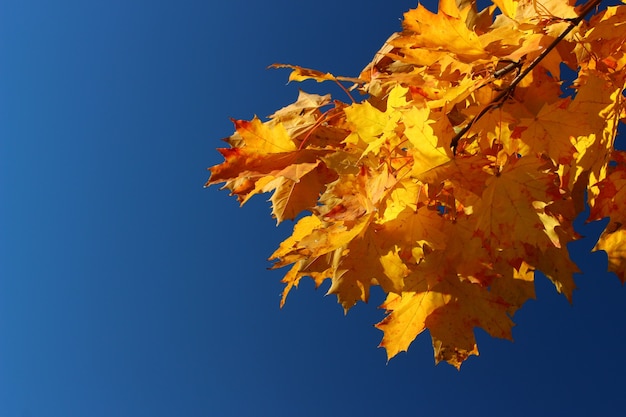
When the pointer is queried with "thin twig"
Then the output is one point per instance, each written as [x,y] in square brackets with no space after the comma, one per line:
[345,90]
[497,101]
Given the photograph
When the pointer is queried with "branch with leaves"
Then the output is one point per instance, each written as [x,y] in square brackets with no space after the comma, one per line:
[461,173]
[508,90]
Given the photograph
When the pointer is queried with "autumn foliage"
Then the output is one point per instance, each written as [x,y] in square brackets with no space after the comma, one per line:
[459,175]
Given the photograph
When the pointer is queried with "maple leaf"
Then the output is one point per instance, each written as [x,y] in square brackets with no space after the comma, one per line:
[450,309]
[293,196]
[610,201]
[512,207]
[613,242]
[551,131]
[445,30]
[459,174]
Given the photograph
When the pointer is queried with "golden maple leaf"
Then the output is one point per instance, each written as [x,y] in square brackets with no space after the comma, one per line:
[461,173]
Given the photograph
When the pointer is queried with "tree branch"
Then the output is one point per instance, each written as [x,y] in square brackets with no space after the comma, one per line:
[499,99]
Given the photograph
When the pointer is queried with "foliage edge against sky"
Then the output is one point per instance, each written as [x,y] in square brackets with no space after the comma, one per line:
[461,173]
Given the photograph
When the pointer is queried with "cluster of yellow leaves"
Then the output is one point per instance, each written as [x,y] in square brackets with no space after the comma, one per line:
[445,198]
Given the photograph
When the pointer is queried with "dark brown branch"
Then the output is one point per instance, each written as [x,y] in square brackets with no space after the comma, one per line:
[512,65]
[504,94]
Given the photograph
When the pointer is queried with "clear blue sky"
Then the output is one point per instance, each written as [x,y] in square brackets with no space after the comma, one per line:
[126,289]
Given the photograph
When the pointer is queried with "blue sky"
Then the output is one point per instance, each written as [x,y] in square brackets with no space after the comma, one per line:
[126,289]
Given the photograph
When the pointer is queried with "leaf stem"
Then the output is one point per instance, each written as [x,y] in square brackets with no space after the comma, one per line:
[324,117]
[345,90]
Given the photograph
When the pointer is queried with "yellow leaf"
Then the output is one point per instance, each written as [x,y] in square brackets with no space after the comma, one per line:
[259,137]
[445,30]
[292,196]
[511,204]
[552,131]
[614,244]
[452,325]
[373,126]
[445,309]
[427,152]
[360,264]
[407,317]
[302,74]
